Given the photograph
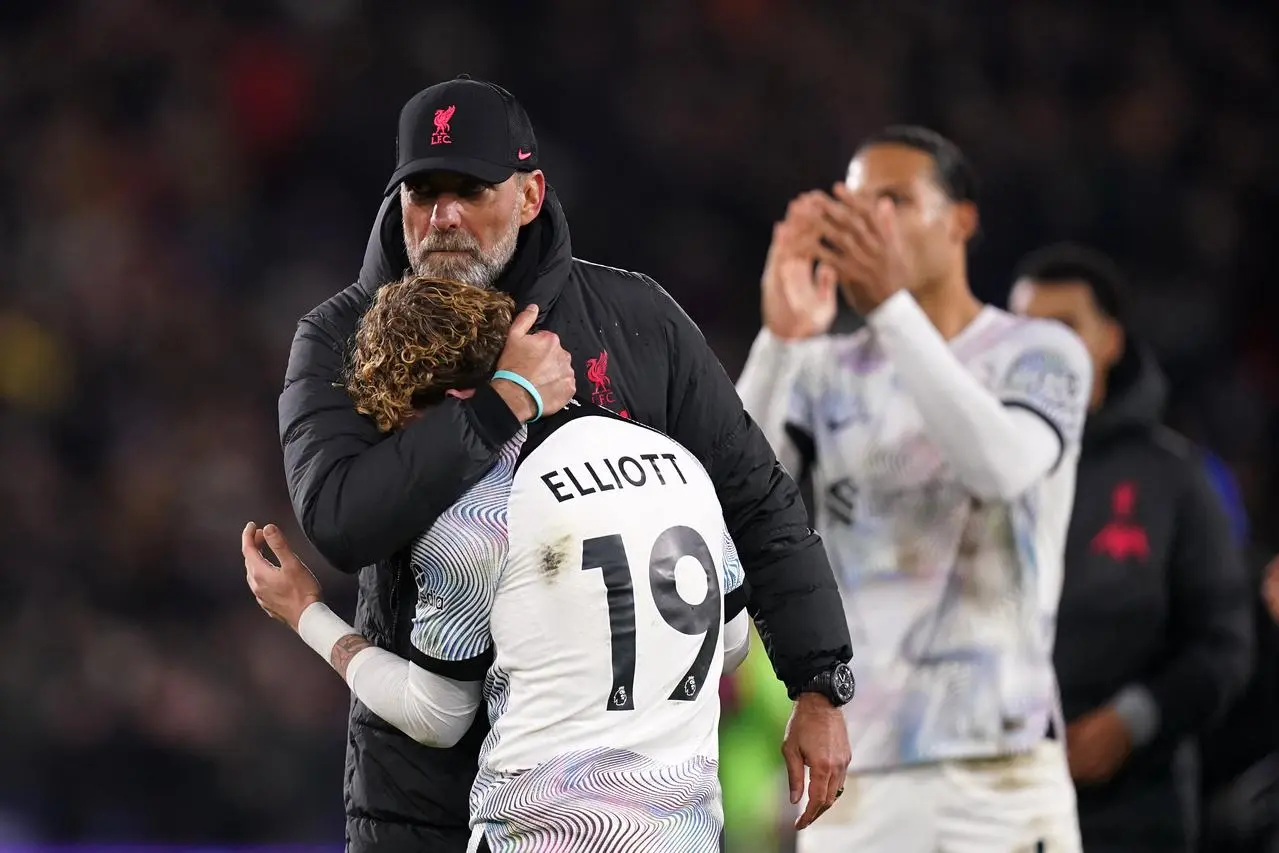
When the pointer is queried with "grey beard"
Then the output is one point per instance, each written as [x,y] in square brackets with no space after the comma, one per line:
[476,268]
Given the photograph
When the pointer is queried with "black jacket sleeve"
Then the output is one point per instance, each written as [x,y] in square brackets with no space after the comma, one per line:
[793,598]
[359,495]
[1209,615]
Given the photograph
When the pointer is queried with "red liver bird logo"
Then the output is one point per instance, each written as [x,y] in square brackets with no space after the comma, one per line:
[597,373]
[1122,538]
[442,119]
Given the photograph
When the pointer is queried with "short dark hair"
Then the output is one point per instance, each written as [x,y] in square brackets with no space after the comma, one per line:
[955,175]
[1069,262]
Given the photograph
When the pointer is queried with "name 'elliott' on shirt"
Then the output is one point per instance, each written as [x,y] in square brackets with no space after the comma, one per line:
[590,478]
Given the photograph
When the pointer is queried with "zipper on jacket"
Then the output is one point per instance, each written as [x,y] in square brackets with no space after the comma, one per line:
[394,626]
[394,642]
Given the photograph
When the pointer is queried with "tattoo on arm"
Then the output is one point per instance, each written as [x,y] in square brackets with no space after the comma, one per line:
[345,649]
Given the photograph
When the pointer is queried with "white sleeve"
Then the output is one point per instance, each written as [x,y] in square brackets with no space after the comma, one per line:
[1001,442]
[429,708]
[733,574]
[737,641]
[773,396]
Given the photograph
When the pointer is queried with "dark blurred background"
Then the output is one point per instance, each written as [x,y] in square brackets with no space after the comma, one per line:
[180,181]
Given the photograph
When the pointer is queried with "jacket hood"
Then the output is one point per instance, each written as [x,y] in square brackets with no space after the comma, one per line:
[543,259]
[1135,397]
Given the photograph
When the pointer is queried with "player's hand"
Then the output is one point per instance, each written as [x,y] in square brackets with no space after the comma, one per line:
[862,242]
[283,591]
[798,301]
[1097,745]
[816,736]
[539,358]
[1270,589]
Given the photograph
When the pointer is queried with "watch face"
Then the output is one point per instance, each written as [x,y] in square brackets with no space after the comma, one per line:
[843,682]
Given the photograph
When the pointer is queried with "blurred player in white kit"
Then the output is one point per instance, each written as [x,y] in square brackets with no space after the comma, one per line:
[942,440]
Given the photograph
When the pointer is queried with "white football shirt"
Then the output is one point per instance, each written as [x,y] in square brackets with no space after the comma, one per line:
[951,599]
[587,579]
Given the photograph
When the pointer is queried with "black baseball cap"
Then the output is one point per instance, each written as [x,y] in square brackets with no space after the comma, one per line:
[472,127]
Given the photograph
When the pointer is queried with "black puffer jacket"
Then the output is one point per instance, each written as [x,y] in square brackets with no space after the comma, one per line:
[1155,598]
[362,497]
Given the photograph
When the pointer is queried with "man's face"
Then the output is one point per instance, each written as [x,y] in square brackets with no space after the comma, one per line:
[460,228]
[1073,303]
[933,228]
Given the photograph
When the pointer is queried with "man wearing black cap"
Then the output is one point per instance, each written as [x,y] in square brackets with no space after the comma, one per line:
[467,201]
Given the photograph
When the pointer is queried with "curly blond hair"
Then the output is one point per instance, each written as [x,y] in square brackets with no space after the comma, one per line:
[421,337]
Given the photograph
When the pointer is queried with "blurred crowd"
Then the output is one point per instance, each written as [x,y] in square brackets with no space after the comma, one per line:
[179,182]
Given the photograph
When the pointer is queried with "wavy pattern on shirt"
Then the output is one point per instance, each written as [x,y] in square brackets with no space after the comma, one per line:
[497,696]
[457,564]
[733,574]
[602,799]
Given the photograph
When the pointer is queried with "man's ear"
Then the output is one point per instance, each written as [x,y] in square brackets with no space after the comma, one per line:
[1113,342]
[461,393]
[967,220]
[533,193]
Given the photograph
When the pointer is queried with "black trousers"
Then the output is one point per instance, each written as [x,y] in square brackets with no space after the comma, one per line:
[1148,817]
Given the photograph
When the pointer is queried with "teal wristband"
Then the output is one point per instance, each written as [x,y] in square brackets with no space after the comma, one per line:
[511,376]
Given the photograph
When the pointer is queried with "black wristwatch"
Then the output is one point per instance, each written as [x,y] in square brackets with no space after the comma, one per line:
[836,684]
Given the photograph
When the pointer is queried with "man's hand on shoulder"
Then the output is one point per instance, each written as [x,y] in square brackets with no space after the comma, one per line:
[540,358]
